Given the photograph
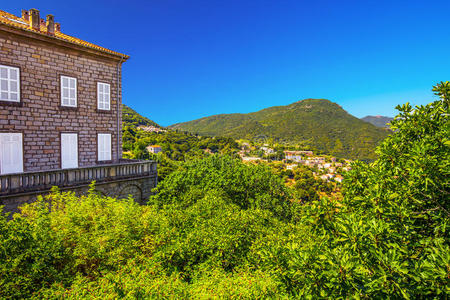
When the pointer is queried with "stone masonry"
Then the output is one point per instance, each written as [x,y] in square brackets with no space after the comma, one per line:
[40,117]
[43,54]
[140,189]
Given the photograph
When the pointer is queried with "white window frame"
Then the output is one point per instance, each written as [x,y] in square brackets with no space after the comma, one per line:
[65,101]
[103,155]
[9,83]
[103,97]
[20,165]
[63,166]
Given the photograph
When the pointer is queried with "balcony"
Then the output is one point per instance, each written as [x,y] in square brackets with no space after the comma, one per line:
[11,184]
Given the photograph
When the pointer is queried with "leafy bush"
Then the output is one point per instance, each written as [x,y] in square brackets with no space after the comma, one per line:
[389,236]
[253,186]
[221,229]
[63,236]
[31,255]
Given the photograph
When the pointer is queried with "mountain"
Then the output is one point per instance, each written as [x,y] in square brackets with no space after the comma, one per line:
[131,117]
[378,121]
[313,123]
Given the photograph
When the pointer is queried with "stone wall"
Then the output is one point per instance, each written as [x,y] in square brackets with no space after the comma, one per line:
[138,188]
[39,115]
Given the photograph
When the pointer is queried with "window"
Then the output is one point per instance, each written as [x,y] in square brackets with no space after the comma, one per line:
[69,150]
[103,96]
[9,84]
[11,153]
[68,91]
[104,146]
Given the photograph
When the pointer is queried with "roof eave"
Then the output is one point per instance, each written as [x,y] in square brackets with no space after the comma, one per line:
[62,42]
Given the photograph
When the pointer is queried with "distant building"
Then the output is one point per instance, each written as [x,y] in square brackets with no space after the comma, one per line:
[339,178]
[307,153]
[310,162]
[317,159]
[326,177]
[151,129]
[267,150]
[293,155]
[251,158]
[154,149]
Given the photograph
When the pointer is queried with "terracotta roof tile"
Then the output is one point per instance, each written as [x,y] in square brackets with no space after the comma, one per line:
[14,21]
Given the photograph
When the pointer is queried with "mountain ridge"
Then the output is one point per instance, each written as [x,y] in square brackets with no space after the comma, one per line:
[315,123]
[379,121]
[131,117]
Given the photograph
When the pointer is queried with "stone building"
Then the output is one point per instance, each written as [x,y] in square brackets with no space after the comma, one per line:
[293,155]
[60,109]
[154,149]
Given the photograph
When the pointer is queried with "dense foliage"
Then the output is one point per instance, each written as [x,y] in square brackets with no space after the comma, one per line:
[314,123]
[253,186]
[177,147]
[221,229]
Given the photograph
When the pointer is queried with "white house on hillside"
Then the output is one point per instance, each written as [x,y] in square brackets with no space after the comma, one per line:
[293,155]
[154,149]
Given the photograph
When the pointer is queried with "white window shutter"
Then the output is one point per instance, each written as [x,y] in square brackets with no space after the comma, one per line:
[108,147]
[64,151]
[68,91]
[99,95]
[100,146]
[69,150]
[104,146]
[74,150]
[11,153]
[107,96]
[73,92]
[103,96]
[9,83]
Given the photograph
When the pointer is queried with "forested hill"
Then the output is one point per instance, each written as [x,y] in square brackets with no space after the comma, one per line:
[316,123]
[131,117]
[378,121]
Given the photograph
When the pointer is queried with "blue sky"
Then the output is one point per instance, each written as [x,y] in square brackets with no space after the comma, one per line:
[191,59]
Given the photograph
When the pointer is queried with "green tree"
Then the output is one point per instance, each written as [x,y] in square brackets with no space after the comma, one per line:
[252,186]
[221,229]
[389,237]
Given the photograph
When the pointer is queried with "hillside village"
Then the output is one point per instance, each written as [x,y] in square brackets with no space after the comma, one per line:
[155,141]
[312,123]
[325,167]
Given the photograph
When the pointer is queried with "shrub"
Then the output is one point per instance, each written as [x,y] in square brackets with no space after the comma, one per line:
[221,229]
[247,186]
